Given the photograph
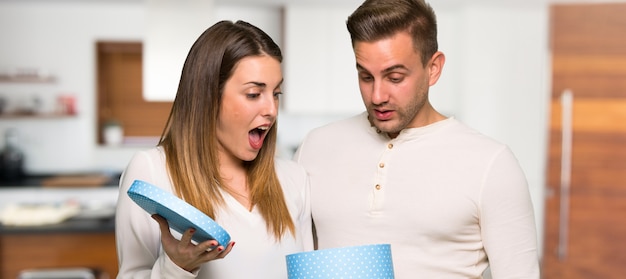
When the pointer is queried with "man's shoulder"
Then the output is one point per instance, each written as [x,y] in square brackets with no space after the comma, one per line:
[290,173]
[463,136]
[287,165]
[341,126]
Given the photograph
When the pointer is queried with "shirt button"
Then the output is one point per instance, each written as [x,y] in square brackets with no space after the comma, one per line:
[381,165]
[378,186]
[390,146]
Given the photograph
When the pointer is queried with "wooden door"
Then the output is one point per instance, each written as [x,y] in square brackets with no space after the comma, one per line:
[585,230]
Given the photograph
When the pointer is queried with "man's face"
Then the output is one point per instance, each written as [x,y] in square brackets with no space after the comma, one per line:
[394,83]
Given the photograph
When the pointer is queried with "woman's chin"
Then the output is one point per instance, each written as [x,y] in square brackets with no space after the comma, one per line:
[249,155]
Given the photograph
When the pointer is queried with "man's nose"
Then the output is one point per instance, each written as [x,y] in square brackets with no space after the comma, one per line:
[379,94]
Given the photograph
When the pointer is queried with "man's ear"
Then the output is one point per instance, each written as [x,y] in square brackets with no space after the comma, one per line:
[435,66]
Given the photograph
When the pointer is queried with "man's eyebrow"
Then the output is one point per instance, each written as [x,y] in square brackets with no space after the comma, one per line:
[394,67]
[386,70]
[358,66]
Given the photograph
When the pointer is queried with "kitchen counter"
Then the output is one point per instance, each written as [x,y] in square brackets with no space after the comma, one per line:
[64,180]
[96,214]
[72,225]
[85,240]
[97,207]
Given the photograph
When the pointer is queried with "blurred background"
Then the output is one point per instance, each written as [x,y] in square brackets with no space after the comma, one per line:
[85,84]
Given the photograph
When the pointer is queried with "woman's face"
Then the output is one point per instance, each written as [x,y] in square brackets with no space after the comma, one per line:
[249,108]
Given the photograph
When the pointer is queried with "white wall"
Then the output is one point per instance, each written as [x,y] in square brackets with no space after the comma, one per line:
[59,37]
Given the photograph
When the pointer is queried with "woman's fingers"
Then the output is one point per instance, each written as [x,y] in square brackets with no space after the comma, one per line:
[207,246]
[166,235]
[223,254]
[213,251]
[184,252]
[185,240]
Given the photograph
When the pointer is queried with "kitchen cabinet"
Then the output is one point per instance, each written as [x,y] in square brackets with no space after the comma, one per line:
[89,244]
[86,240]
[320,72]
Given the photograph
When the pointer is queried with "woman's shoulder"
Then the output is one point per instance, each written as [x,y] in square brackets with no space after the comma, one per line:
[151,154]
[149,165]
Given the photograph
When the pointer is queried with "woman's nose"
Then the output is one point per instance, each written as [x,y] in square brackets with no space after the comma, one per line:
[270,107]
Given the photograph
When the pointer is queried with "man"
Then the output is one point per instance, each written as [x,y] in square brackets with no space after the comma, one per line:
[449,200]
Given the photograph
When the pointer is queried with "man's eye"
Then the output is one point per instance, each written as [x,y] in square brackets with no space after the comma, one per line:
[366,78]
[396,79]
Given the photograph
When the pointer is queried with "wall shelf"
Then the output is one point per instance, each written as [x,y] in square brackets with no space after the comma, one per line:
[27,79]
[14,116]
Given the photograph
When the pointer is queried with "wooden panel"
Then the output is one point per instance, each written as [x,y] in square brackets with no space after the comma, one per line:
[609,86]
[25,251]
[593,115]
[599,161]
[589,58]
[588,28]
[596,227]
[120,91]
[594,220]
[594,64]
[589,75]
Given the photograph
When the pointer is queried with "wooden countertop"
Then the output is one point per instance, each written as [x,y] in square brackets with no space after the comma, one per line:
[72,225]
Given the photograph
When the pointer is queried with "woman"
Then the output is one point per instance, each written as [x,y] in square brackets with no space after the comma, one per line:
[217,153]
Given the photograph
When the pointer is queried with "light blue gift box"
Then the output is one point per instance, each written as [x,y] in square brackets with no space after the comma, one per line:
[365,262]
[179,214]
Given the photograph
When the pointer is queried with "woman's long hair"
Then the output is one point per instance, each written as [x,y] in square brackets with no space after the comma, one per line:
[189,139]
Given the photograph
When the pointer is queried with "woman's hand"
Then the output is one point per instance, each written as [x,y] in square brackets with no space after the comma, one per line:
[186,254]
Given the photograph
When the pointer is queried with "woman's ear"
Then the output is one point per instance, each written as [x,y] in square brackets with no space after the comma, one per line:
[435,66]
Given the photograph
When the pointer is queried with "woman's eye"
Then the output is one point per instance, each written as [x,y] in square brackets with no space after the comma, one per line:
[253,95]
[277,94]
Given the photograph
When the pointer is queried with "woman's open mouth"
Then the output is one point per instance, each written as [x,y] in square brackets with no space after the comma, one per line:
[257,135]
